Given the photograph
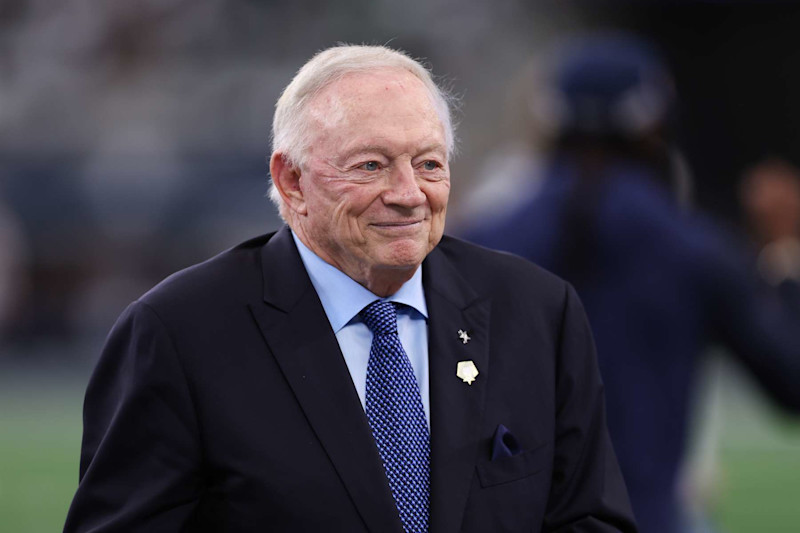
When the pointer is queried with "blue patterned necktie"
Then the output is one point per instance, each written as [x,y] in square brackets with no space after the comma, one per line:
[395,414]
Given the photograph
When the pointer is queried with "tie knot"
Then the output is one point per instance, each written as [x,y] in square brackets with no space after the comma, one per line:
[380,317]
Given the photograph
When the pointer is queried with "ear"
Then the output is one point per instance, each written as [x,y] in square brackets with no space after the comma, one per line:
[286,178]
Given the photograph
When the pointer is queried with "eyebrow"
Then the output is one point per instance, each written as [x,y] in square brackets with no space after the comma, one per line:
[382,149]
[364,149]
[434,147]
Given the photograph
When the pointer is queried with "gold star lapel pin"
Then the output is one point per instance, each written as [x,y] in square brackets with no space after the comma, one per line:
[467,371]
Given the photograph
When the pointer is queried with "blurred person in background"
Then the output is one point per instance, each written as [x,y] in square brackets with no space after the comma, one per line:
[659,282]
[770,196]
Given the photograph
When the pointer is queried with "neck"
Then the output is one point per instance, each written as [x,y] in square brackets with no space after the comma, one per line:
[380,281]
[386,281]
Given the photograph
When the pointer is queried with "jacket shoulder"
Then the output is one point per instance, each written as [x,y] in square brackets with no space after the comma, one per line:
[232,276]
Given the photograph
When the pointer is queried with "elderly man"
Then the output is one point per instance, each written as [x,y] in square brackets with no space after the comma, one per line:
[354,371]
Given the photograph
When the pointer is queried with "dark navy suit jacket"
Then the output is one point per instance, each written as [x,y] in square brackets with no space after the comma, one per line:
[221,402]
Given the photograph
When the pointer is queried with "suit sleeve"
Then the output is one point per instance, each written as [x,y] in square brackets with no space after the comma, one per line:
[587,493]
[141,451]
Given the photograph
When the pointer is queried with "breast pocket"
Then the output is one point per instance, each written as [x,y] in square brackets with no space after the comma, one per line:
[522,465]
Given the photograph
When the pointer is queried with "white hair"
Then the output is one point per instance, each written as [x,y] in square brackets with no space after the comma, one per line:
[292,125]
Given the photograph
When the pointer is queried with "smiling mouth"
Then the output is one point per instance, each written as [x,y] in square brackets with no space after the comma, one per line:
[400,228]
[400,224]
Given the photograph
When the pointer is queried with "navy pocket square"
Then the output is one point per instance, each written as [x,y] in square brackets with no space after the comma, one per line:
[504,444]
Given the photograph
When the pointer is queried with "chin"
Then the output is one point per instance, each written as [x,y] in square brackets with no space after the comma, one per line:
[403,255]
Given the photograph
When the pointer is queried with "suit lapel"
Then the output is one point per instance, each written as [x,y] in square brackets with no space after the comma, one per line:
[297,331]
[456,407]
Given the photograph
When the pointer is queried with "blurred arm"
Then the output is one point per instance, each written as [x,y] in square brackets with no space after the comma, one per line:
[761,326]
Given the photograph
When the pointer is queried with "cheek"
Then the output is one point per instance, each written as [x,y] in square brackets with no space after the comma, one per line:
[349,205]
[359,198]
[438,201]
[438,194]
[331,195]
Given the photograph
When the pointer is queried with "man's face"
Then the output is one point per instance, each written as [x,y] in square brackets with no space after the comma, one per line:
[376,180]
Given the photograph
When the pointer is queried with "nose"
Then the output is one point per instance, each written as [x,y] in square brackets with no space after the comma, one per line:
[403,188]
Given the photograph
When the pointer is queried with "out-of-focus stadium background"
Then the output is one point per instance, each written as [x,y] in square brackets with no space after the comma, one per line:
[133,142]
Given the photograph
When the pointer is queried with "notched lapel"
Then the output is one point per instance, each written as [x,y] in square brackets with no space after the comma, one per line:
[456,407]
[299,336]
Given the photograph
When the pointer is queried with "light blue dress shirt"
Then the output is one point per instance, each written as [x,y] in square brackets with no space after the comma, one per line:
[342,298]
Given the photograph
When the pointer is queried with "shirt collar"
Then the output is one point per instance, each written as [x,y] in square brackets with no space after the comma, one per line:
[342,298]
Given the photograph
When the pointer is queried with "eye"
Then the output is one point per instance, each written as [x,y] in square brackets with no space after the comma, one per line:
[370,166]
[430,165]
